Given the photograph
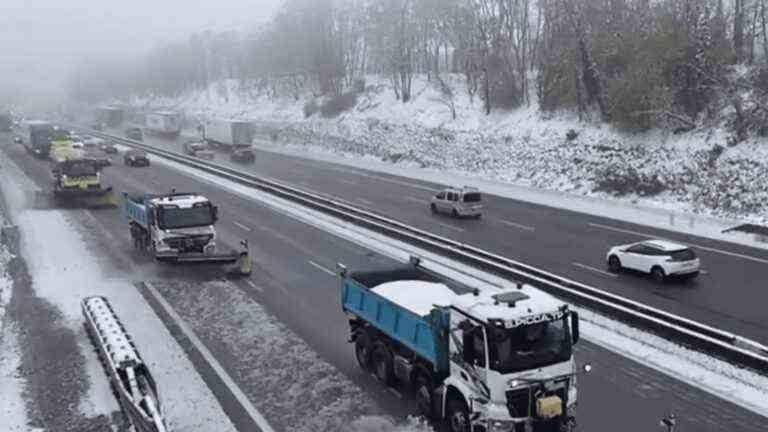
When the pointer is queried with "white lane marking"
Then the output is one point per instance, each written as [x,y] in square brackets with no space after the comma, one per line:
[400,182]
[597,270]
[451,227]
[321,268]
[395,392]
[517,225]
[241,226]
[710,249]
[254,286]
[347,181]
[416,200]
[364,201]
[255,415]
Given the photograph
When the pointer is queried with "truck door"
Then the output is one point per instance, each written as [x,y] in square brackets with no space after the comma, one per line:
[468,351]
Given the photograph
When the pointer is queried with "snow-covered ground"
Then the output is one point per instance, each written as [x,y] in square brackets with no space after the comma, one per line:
[13,415]
[695,172]
[64,270]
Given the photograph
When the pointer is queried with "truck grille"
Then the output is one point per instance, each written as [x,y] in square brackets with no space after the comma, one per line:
[188,244]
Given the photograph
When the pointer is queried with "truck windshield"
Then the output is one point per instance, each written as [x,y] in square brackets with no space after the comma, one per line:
[80,169]
[170,217]
[530,346]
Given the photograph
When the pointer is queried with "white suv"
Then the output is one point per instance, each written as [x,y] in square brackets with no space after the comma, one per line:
[464,202]
[659,258]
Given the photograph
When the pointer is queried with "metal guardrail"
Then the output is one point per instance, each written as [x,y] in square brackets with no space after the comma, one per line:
[726,345]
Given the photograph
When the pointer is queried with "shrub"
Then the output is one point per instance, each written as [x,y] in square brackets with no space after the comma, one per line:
[310,108]
[622,180]
[571,135]
[338,104]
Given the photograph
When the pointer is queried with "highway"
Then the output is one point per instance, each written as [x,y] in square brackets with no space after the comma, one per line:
[292,278]
[730,293]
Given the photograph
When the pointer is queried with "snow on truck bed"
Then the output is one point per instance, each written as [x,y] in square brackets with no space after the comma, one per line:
[417,296]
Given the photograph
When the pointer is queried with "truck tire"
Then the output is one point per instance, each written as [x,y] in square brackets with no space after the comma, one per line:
[424,395]
[363,350]
[383,365]
[458,416]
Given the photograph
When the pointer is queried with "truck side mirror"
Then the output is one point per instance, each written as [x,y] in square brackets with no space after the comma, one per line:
[575,326]
[215,214]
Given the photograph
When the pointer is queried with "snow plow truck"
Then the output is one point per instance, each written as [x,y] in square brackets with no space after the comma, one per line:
[77,176]
[178,228]
[494,361]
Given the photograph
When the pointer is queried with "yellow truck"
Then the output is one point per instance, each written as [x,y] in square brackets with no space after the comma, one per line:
[77,177]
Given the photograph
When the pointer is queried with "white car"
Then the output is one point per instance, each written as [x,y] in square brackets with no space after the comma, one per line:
[659,258]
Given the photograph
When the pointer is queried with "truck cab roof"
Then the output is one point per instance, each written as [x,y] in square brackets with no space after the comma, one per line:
[181,200]
[513,307]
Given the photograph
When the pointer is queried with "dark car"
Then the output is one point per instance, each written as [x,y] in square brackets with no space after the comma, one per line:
[108,147]
[134,133]
[243,155]
[199,149]
[136,158]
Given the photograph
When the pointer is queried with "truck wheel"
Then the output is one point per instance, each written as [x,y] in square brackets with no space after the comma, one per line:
[363,350]
[458,416]
[455,213]
[383,367]
[424,396]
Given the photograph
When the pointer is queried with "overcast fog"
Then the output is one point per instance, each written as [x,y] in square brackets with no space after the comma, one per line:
[40,40]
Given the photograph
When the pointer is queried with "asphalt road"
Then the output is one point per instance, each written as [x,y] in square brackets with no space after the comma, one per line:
[729,294]
[292,278]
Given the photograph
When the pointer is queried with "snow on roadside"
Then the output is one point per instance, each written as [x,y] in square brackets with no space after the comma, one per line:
[64,271]
[295,387]
[13,415]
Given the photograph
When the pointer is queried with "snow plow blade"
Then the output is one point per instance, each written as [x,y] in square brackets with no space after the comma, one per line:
[86,199]
[199,258]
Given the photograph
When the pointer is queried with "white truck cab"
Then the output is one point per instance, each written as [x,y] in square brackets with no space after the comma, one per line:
[516,348]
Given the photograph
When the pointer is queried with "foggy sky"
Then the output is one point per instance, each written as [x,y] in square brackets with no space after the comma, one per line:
[41,39]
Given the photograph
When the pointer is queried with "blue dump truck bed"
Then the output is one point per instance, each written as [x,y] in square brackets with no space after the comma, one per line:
[426,335]
[136,211]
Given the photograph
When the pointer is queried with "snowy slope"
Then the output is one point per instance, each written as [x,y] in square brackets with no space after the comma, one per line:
[695,172]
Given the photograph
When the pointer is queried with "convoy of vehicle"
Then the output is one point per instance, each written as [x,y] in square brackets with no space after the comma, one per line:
[491,360]
[501,361]
[661,259]
[175,227]
[458,202]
